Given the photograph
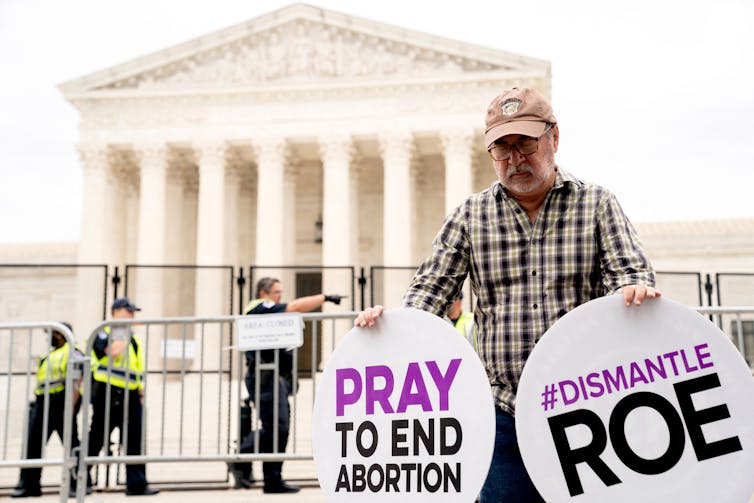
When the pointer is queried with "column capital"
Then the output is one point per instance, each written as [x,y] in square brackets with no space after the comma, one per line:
[94,157]
[457,142]
[458,150]
[151,157]
[396,146]
[210,152]
[271,151]
[336,148]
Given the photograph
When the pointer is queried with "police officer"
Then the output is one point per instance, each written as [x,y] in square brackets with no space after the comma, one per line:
[269,295]
[463,321]
[119,360]
[51,376]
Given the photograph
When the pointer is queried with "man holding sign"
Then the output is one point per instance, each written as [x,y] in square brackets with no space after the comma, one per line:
[536,244]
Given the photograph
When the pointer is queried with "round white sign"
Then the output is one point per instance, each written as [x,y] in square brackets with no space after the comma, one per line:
[637,404]
[403,412]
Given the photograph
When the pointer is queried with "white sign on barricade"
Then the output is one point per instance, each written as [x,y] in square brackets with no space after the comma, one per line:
[403,412]
[178,348]
[637,404]
[270,331]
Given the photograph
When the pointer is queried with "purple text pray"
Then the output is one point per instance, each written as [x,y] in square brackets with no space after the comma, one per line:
[381,395]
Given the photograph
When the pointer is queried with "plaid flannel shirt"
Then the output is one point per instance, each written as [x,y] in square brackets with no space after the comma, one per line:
[526,275]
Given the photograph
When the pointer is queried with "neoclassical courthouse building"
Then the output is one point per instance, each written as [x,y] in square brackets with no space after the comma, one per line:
[301,137]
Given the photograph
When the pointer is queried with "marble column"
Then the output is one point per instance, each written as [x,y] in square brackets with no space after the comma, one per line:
[210,239]
[338,235]
[95,220]
[290,225]
[457,150]
[248,219]
[336,155]
[396,152]
[176,297]
[149,295]
[94,163]
[271,206]
[211,297]
[232,189]
[122,208]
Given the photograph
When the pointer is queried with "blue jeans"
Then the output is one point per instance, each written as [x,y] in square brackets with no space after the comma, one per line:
[507,481]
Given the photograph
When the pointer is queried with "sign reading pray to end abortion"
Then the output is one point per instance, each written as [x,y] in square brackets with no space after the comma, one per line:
[403,412]
[637,404]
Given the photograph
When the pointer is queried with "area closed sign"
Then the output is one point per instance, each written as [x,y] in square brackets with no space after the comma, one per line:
[647,404]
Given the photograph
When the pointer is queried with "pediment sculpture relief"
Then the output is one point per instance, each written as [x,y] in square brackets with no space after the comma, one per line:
[302,51]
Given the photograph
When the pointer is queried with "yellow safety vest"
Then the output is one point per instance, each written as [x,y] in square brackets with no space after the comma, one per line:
[51,371]
[128,366]
[465,326]
[252,304]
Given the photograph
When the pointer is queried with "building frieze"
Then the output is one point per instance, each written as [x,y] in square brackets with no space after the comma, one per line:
[302,50]
[303,44]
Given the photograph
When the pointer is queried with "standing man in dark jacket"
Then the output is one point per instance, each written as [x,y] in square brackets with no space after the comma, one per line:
[269,294]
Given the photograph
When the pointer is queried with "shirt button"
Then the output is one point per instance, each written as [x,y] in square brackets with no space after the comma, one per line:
[534,273]
[534,306]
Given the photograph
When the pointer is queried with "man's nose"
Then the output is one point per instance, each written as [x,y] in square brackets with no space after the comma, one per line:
[516,158]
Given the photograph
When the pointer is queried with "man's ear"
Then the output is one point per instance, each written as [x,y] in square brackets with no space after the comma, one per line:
[555,137]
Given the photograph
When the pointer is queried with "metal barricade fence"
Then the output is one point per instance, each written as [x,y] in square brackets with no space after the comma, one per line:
[738,323]
[20,382]
[192,393]
[192,396]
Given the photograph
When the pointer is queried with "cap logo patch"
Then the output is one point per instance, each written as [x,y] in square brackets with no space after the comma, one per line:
[510,107]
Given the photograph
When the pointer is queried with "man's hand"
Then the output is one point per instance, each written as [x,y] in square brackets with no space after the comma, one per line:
[368,317]
[116,347]
[335,299]
[635,294]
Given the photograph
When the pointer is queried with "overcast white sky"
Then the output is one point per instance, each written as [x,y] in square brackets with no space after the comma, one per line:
[655,99]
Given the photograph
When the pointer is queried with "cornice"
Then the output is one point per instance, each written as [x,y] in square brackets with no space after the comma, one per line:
[353,87]
[222,39]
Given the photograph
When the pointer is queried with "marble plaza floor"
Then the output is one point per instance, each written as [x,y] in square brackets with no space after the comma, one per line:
[310,493]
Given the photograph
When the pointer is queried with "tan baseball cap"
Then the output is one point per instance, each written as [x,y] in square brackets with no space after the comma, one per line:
[517,111]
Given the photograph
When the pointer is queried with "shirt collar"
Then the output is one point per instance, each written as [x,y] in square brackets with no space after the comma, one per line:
[562,179]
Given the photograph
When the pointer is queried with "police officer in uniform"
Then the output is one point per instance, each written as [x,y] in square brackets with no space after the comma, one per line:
[51,376]
[463,321]
[269,294]
[119,356]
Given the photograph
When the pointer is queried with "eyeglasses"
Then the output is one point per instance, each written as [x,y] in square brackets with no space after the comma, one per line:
[526,145]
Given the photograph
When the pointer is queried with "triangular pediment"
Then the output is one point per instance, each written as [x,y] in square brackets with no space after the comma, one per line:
[301,43]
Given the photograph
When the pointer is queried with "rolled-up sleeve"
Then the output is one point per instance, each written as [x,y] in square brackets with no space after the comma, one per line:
[441,276]
[622,257]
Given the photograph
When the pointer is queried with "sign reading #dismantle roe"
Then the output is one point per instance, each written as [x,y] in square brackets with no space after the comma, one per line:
[623,405]
[403,412]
